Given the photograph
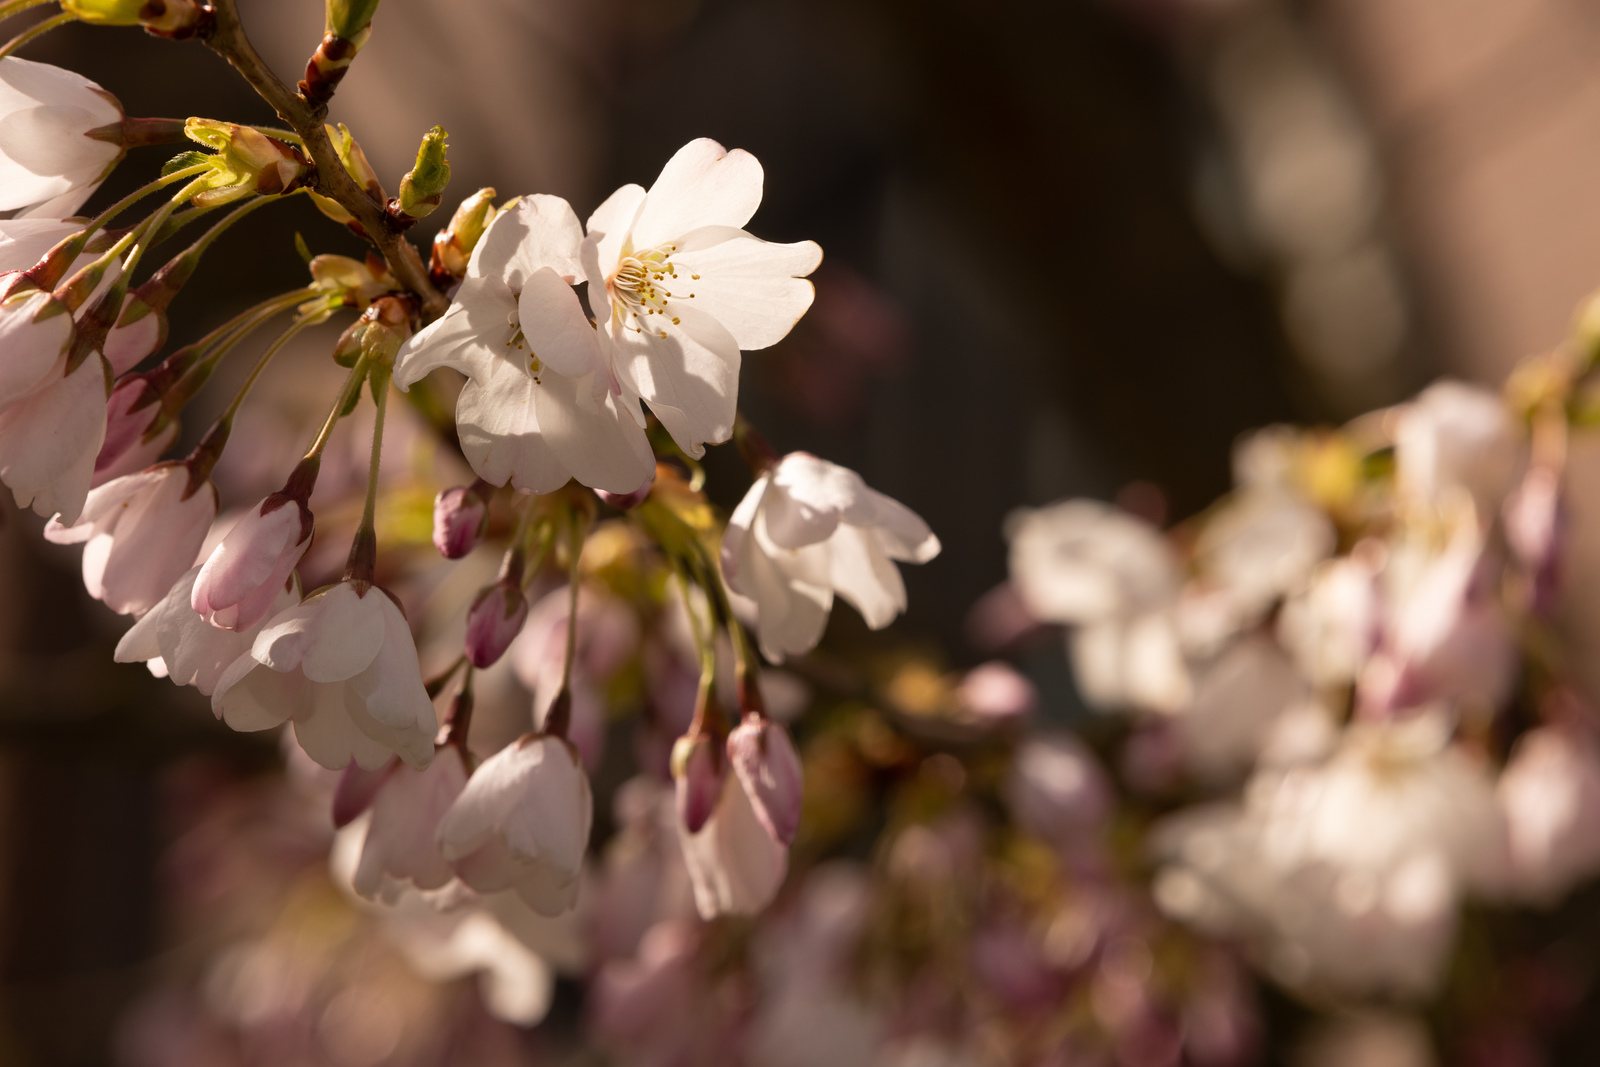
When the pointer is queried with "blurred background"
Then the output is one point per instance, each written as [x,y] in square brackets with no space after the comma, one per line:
[1073,247]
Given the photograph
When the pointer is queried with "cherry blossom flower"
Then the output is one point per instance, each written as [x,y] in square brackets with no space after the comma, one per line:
[139,534]
[1456,437]
[341,665]
[50,438]
[809,529]
[538,408]
[522,823]
[24,242]
[35,332]
[1550,792]
[460,518]
[174,638]
[769,769]
[50,160]
[130,414]
[679,288]
[735,864]
[400,846]
[240,579]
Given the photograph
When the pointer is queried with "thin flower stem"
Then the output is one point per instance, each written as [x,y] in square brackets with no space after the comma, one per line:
[153,224]
[16,7]
[461,712]
[100,220]
[576,532]
[436,684]
[705,647]
[261,364]
[37,30]
[351,385]
[364,547]
[209,350]
[744,658]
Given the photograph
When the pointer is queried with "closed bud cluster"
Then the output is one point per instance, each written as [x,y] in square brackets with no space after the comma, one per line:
[422,188]
[460,519]
[377,335]
[347,282]
[247,161]
[164,18]
[453,245]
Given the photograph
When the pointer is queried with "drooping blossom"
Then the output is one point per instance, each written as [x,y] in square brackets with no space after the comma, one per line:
[735,864]
[188,649]
[1333,625]
[49,440]
[140,533]
[539,407]
[35,332]
[342,666]
[768,767]
[50,158]
[807,530]
[494,620]
[1261,545]
[130,445]
[679,288]
[460,517]
[240,580]
[522,823]
[1238,698]
[400,846]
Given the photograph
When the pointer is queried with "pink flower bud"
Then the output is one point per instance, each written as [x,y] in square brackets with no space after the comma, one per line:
[995,693]
[356,789]
[699,772]
[460,516]
[242,576]
[130,413]
[764,759]
[132,339]
[626,501]
[493,622]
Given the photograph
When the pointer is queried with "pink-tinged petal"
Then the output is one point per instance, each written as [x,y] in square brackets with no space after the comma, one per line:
[697,773]
[460,517]
[155,541]
[739,523]
[48,441]
[461,338]
[35,332]
[703,184]
[406,810]
[596,440]
[128,344]
[552,818]
[558,332]
[23,81]
[866,577]
[809,496]
[357,789]
[499,430]
[735,865]
[136,456]
[331,637]
[493,622]
[329,733]
[250,697]
[24,242]
[49,142]
[755,289]
[67,204]
[607,230]
[540,233]
[688,372]
[391,686]
[194,652]
[492,791]
[769,769]
[245,572]
[792,612]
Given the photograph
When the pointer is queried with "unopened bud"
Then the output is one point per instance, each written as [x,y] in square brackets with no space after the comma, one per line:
[460,518]
[247,161]
[137,431]
[422,188]
[377,335]
[698,770]
[346,282]
[361,172]
[452,246]
[356,791]
[628,501]
[346,18]
[493,622]
[245,573]
[765,760]
[165,18]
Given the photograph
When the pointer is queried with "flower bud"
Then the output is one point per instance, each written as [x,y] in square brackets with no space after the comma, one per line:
[698,770]
[347,282]
[452,246]
[764,759]
[376,335]
[346,18]
[165,18]
[360,171]
[628,501]
[247,161]
[460,518]
[422,188]
[243,575]
[137,431]
[493,622]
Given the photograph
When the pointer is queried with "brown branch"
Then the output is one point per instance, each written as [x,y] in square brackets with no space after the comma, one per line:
[227,38]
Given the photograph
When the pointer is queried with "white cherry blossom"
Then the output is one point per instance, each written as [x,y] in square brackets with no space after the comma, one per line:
[1551,795]
[679,288]
[539,407]
[808,529]
[49,163]
[49,440]
[400,846]
[343,667]
[178,641]
[522,823]
[139,533]
[1456,436]
[735,864]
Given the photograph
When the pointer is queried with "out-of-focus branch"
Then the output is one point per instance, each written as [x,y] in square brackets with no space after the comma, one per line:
[227,38]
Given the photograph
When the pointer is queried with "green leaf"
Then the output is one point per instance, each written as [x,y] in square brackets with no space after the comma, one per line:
[183,161]
[301,247]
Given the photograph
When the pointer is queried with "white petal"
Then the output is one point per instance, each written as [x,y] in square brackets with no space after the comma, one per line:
[464,338]
[540,231]
[558,332]
[597,441]
[332,636]
[608,228]
[866,577]
[23,242]
[499,430]
[252,697]
[49,440]
[392,684]
[733,538]
[703,184]
[689,376]
[326,731]
[755,289]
